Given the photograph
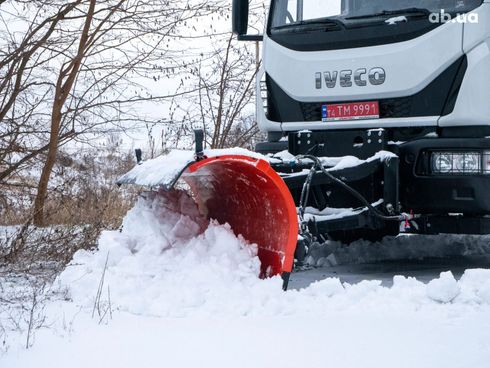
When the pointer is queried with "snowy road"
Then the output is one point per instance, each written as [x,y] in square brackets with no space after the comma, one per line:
[423,270]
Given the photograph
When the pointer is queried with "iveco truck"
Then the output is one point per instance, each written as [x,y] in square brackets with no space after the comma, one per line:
[377,114]
[359,77]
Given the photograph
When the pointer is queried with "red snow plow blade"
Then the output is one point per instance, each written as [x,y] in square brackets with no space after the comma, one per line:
[249,195]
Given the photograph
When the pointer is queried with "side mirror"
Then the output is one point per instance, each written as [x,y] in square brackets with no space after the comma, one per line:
[239,19]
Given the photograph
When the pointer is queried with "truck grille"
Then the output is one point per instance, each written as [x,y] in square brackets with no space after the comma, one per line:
[438,98]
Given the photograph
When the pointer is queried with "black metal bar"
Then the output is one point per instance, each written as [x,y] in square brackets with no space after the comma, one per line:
[357,221]
[391,184]
[285,280]
[139,155]
[199,138]
[347,174]
[359,143]
[258,37]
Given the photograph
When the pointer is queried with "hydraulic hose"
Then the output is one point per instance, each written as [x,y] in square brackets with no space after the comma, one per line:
[306,189]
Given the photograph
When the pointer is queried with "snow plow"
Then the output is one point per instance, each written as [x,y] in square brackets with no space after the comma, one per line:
[377,122]
[239,189]
[267,199]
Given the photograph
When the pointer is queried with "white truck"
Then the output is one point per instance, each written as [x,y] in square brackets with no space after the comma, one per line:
[355,77]
[377,114]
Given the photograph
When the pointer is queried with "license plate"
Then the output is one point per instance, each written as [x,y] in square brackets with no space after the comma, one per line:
[350,111]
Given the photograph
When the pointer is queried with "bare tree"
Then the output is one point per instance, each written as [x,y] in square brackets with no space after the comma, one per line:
[223,104]
[64,84]
[80,69]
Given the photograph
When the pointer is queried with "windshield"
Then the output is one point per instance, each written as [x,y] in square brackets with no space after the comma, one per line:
[299,12]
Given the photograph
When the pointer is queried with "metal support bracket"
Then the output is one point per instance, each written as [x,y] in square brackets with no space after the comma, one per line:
[199,142]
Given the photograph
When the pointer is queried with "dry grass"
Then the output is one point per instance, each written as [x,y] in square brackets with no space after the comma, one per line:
[101,206]
[82,192]
[83,201]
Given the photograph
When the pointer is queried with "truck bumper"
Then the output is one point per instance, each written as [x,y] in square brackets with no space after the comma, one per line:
[420,189]
[424,191]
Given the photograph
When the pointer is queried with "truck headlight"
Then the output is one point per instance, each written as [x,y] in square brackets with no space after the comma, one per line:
[456,162]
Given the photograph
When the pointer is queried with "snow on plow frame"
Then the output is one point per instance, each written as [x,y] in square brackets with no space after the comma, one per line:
[240,190]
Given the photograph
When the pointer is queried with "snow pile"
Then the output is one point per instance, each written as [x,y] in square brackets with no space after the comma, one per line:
[443,289]
[166,260]
[169,261]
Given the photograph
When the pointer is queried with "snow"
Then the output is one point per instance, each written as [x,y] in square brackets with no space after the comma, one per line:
[444,289]
[166,243]
[285,156]
[165,170]
[340,163]
[395,20]
[184,292]
[341,340]
[330,213]
[162,170]
[396,143]
[233,151]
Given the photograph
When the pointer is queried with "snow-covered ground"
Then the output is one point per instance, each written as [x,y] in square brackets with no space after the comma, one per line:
[172,290]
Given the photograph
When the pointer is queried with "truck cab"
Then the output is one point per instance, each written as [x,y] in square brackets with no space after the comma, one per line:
[424,62]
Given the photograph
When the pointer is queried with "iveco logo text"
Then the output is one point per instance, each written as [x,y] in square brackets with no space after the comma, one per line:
[346,78]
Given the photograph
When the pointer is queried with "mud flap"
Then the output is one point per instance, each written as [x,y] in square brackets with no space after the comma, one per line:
[249,195]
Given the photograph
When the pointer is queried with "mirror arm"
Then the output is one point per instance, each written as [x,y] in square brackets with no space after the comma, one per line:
[257,37]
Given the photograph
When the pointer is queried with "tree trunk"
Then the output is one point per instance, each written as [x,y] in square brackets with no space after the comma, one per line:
[66,79]
[42,188]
